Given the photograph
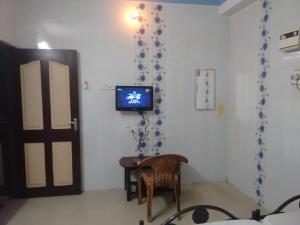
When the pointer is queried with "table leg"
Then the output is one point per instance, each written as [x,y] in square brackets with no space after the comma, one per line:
[179,181]
[125,179]
[129,192]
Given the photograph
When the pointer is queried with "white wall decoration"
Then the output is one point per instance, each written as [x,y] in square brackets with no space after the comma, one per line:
[264,55]
[148,132]
[205,89]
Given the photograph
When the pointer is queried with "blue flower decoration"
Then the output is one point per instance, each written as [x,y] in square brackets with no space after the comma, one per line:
[263,101]
[143,144]
[258,167]
[159,122]
[264,32]
[141,134]
[159,144]
[157,133]
[260,180]
[142,31]
[263,60]
[265,46]
[157,66]
[159,31]
[264,74]
[159,55]
[259,141]
[157,43]
[156,19]
[265,3]
[140,43]
[159,7]
[157,111]
[142,54]
[262,88]
[141,155]
[142,78]
[159,100]
[142,122]
[159,78]
[142,6]
[262,128]
[261,115]
[257,192]
[140,66]
[266,17]
[261,155]
[157,89]
[157,153]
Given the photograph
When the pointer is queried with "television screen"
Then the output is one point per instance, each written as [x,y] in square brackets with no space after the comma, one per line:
[134,98]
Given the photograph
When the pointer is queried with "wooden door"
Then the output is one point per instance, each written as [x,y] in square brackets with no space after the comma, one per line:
[49,146]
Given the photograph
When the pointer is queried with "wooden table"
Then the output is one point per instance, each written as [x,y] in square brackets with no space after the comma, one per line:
[130,166]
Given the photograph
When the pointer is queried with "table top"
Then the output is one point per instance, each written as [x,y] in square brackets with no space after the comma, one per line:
[130,161]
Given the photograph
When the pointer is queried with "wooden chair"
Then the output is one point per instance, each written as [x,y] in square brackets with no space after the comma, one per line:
[164,172]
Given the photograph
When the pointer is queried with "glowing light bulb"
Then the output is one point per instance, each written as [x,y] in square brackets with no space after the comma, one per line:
[43,45]
[132,17]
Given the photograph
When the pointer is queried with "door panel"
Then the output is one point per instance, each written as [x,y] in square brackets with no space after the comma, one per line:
[31,89]
[35,165]
[62,163]
[59,79]
[60,139]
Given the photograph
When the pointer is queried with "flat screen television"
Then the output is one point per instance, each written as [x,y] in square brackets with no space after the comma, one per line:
[134,98]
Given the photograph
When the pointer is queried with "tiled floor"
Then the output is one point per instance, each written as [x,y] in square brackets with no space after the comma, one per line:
[111,208]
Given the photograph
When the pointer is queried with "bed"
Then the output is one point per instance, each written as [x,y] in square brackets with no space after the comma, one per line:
[289,218]
[200,215]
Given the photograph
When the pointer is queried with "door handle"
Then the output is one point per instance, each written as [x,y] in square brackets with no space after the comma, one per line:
[75,124]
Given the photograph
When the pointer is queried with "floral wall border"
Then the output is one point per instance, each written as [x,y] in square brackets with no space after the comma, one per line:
[150,22]
[158,30]
[262,120]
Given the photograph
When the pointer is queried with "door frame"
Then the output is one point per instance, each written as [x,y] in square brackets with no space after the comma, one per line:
[9,147]
[68,57]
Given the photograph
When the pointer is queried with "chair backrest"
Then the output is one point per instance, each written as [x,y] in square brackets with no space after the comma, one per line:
[166,168]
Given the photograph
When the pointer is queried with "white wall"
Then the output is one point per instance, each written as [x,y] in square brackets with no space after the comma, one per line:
[7,21]
[283,156]
[196,37]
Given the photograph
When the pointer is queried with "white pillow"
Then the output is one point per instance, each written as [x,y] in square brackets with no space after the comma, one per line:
[235,222]
[289,218]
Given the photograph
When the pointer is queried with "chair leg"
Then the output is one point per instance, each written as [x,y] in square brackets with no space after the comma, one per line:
[149,203]
[140,191]
[176,192]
